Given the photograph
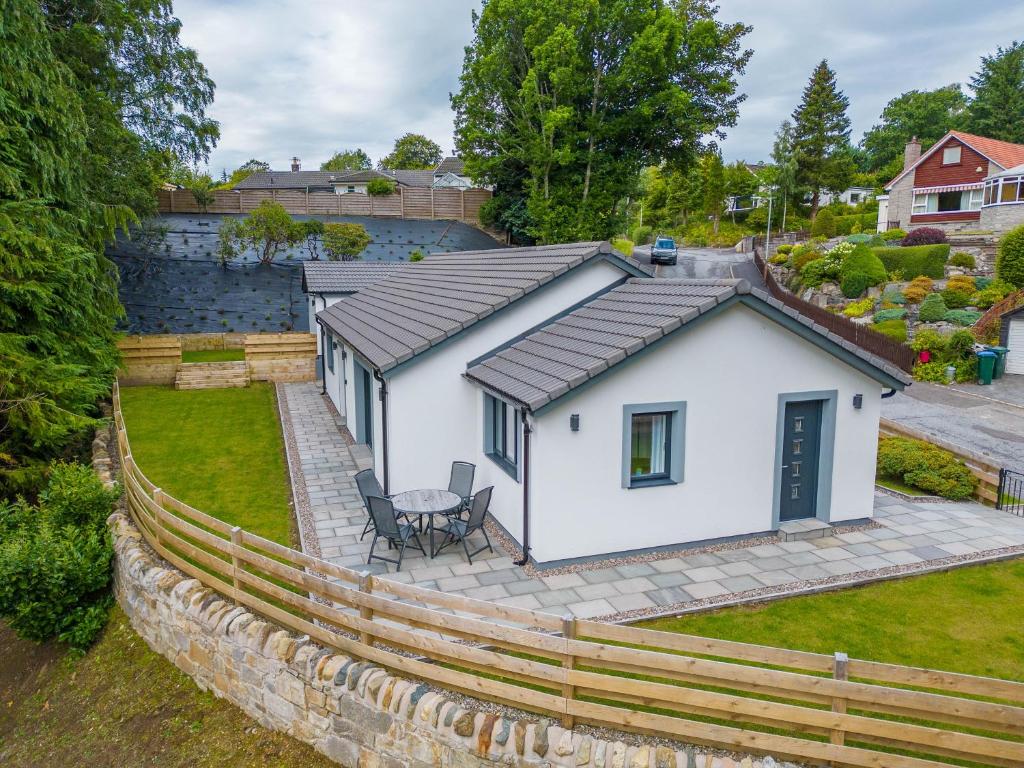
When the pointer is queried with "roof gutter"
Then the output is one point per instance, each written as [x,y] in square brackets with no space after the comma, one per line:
[384,428]
[527,431]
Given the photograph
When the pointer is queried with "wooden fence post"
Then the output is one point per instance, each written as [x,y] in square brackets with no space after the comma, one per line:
[236,565]
[840,671]
[568,662]
[366,587]
[158,499]
[462,196]
[401,201]
[431,203]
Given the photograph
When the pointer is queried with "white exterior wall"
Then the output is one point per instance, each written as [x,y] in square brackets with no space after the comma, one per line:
[342,189]
[318,302]
[435,415]
[334,383]
[729,371]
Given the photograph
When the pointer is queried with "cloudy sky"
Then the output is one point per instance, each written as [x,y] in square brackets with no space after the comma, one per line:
[307,77]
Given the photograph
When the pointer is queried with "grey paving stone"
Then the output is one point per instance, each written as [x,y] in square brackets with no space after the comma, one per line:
[632,570]
[602,574]
[527,586]
[597,591]
[741,583]
[669,596]
[504,576]
[638,584]
[707,573]
[590,608]
[808,572]
[632,602]
[662,580]
[563,597]
[929,553]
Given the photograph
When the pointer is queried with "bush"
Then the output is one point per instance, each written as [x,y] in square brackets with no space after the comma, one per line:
[785,248]
[889,314]
[1010,257]
[623,246]
[802,255]
[933,308]
[344,242]
[990,292]
[894,329]
[955,298]
[416,255]
[963,283]
[964,317]
[859,308]
[914,294]
[893,234]
[927,260]
[55,559]
[922,465]
[961,259]
[893,296]
[380,187]
[924,236]
[824,224]
[856,222]
[860,270]
[814,273]
[866,239]
[641,235]
[779,258]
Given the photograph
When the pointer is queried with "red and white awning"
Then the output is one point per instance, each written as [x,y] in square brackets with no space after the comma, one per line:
[948,188]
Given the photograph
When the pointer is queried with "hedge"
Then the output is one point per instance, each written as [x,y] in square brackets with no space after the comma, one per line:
[868,222]
[925,466]
[914,260]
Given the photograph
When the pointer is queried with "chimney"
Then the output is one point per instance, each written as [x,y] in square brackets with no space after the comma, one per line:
[296,166]
[911,153]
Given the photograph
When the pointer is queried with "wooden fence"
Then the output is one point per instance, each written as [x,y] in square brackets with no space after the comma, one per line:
[791,704]
[406,203]
[981,467]
[281,356]
[874,342]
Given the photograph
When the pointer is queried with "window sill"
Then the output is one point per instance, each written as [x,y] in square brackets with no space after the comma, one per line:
[651,482]
[505,465]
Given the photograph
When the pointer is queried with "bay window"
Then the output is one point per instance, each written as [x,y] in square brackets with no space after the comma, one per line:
[946,202]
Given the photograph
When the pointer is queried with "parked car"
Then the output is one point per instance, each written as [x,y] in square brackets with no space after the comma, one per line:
[664,250]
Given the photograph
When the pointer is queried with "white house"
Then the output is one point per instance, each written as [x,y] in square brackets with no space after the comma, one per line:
[611,411]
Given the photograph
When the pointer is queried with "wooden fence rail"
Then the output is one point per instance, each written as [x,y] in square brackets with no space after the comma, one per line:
[791,704]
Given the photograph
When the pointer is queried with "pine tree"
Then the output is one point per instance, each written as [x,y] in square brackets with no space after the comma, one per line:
[997,109]
[821,133]
[785,166]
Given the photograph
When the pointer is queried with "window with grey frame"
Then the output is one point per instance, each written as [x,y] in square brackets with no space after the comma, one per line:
[501,434]
[650,447]
[329,352]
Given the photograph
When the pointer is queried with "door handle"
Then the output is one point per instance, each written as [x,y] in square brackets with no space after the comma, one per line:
[784,466]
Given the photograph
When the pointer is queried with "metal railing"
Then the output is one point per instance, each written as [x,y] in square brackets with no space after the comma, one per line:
[1010,496]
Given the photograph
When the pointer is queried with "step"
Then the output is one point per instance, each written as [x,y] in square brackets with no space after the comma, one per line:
[798,530]
[222,375]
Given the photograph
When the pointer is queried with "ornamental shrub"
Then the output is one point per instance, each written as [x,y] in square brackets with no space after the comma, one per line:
[990,293]
[380,187]
[923,465]
[345,241]
[859,308]
[889,314]
[924,236]
[779,258]
[893,234]
[641,235]
[961,283]
[955,298]
[928,260]
[961,259]
[824,224]
[964,317]
[1010,257]
[802,255]
[860,270]
[814,273]
[55,559]
[894,329]
[933,308]
[914,294]
[785,248]
[894,296]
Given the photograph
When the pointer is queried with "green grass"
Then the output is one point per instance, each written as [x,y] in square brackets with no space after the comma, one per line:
[966,620]
[212,355]
[898,485]
[218,450]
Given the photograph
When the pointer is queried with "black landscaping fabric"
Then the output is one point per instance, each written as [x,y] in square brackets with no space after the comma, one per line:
[183,289]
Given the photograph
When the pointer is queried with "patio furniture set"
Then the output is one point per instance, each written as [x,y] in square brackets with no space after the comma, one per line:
[400,518]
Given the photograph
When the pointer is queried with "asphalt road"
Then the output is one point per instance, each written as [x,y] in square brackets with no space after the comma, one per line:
[704,263]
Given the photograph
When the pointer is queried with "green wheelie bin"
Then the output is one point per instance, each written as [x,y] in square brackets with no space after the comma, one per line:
[1000,360]
[986,366]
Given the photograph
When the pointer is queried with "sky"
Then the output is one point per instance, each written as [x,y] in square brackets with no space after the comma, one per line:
[308,77]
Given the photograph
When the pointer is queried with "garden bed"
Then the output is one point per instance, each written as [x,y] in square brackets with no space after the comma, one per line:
[212,355]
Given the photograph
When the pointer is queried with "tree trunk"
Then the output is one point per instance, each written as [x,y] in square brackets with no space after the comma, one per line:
[593,118]
[815,200]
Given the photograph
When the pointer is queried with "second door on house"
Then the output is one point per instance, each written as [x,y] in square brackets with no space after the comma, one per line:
[801,443]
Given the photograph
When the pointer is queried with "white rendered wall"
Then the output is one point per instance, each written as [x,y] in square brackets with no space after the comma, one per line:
[334,383]
[730,371]
[318,302]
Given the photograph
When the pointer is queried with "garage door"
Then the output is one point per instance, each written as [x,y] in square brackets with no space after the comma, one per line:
[1015,341]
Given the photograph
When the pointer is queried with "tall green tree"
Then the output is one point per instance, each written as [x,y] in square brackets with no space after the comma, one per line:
[713,185]
[242,172]
[561,104]
[928,115]
[348,160]
[821,135]
[739,182]
[997,107]
[784,157]
[412,151]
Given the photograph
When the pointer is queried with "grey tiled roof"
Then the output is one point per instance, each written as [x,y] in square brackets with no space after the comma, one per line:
[343,177]
[411,178]
[418,307]
[575,348]
[450,165]
[288,180]
[345,276]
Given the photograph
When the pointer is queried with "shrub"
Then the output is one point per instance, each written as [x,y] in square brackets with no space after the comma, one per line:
[824,224]
[955,298]
[814,273]
[859,308]
[380,187]
[802,255]
[923,281]
[871,239]
[894,329]
[889,314]
[779,258]
[922,465]
[961,283]
[933,308]
[990,292]
[924,236]
[623,246]
[860,270]
[785,248]
[914,294]
[416,255]
[894,296]
[55,559]
[344,242]
[856,222]
[893,234]
[930,339]
[1010,257]
[961,259]
[928,260]
[964,317]
[642,235]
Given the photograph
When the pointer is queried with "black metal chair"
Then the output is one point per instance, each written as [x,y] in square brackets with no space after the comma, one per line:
[461,483]
[368,486]
[386,527]
[456,529]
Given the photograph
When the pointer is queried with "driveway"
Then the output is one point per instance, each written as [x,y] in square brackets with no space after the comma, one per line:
[986,420]
[704,263]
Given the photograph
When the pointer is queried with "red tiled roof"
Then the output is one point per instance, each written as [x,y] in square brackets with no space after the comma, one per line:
[1004,153]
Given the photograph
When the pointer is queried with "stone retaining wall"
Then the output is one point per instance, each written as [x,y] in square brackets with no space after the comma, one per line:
[356,713]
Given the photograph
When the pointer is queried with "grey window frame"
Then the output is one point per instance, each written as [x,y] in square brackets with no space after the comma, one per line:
[329,352]
[675,450]
[496,437]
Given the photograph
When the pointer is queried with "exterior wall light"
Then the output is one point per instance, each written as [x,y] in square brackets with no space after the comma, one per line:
[574,422]
[858,401]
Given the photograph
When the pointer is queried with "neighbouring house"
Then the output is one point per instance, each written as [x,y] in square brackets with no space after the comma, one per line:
[963,182]
[611,411]
[852,196]
[449,174]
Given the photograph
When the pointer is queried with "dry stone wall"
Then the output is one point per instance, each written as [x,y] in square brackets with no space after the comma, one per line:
[353,711]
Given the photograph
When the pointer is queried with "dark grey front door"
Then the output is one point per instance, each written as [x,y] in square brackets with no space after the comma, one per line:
[801,441]
[364,405]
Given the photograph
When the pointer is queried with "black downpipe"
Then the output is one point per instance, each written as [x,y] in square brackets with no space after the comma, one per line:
[383,427]
[323,359]
[527,431]
[890,393]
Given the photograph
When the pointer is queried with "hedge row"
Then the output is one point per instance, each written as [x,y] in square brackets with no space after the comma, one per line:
[868,222]
[915,260]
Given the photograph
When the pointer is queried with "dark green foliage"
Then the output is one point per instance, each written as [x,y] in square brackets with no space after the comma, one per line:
[860,270]
[641,235]
[821,135]
[925,466]
[344,242]
[964,317]
[55,559]
[268,230]
[412,151]
[961,259]
[348,160]
[990,292]
[933,308]
[310,231]
[997,109]
[824,224]
[894,329]
[956,299]
[802,255]
[1010,257]
[380,187]
[885,315]
[865,222]
[911,262]
[928,115]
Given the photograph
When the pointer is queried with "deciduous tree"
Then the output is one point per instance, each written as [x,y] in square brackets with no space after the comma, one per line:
[928,115]
[344,242]
[412,151]
[348,160]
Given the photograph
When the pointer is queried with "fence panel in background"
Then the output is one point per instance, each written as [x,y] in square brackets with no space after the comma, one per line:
[281,356]
[149,359]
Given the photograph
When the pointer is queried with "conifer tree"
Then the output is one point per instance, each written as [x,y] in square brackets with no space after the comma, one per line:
[997,109]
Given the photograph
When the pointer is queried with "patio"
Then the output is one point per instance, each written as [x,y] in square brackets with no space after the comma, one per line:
[906,538]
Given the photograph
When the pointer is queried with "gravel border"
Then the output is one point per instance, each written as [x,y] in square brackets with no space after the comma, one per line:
[907,497]
[308,539]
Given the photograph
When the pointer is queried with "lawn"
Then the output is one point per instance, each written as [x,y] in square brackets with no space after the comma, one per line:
[212,355]
[895,484]
[218,450]
[965,620]
[124,705]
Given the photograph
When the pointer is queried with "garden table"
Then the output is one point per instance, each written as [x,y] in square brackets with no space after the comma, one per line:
[428,502]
